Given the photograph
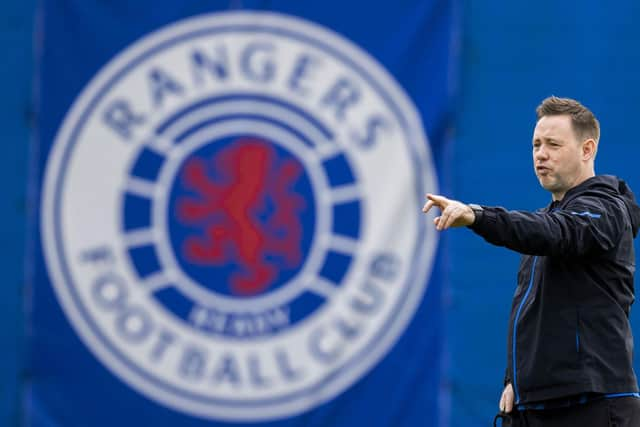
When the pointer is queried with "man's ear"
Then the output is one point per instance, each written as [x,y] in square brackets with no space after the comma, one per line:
[589,149]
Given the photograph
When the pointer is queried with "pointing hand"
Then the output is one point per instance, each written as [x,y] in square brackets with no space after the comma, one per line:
[453,212]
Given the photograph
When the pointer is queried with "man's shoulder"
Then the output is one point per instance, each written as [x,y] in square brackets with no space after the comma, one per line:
[593,198]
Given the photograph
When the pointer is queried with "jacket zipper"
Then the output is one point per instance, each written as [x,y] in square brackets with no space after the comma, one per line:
[515,329]
[577,331]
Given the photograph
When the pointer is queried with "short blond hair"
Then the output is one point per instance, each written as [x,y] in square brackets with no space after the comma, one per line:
[584,123]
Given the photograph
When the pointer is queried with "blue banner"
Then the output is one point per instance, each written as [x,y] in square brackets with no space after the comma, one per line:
[229,228]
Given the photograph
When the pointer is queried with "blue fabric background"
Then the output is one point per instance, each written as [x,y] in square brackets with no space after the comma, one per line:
[412,40]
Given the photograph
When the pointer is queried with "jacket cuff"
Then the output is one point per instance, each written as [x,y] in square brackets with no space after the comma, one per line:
[484,218]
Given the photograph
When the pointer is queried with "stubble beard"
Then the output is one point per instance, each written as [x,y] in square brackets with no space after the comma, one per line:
[553,184]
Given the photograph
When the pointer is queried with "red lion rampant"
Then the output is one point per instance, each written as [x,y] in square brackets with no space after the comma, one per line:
[228,213]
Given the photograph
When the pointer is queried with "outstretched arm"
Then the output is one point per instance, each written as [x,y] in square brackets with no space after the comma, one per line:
[587,224]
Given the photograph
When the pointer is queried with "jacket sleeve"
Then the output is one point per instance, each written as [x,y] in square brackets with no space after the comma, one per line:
[586,225]
[507,377]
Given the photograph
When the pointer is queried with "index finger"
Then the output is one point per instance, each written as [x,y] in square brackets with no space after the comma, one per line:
[438,200]
[427,206]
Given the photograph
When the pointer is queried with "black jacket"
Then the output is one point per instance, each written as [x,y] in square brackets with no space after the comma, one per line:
[569,329]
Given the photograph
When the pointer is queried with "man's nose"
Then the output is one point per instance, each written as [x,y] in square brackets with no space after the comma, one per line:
[541,153]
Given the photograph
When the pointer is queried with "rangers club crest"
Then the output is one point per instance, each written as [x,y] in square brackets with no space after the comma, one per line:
[231,215]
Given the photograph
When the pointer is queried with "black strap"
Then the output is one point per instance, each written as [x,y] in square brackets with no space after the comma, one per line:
[506,420]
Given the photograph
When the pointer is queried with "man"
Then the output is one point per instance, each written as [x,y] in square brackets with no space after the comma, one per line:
[570,346]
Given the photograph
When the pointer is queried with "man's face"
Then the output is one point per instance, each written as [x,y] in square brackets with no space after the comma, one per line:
[557,154]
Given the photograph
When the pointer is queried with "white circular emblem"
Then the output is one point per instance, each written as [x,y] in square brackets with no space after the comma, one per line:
[231,215]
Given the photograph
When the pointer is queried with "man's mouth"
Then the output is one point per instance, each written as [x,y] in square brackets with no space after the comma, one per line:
[543,170]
